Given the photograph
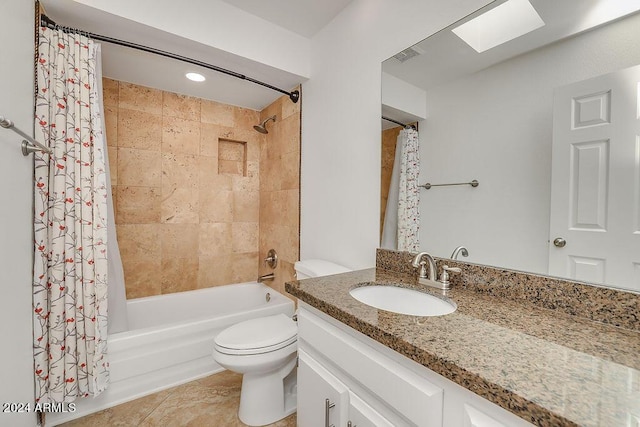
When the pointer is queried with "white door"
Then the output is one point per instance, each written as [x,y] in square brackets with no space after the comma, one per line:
[322,399]
[595,191]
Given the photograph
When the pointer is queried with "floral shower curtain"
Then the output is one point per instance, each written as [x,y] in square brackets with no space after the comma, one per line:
[409,195]
[402,217]
[70,271]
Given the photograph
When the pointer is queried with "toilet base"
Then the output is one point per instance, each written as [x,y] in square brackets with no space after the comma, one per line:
[267,398]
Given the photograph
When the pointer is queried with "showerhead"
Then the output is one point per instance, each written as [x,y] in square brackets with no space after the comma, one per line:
[262,127]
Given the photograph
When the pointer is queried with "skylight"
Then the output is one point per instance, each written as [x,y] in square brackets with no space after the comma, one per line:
[505,22]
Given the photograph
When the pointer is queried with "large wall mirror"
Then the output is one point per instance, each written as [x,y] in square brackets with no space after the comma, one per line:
[548,122]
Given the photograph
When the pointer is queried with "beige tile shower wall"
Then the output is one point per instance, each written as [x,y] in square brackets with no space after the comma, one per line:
[389,138]
[280,190]
[186,204]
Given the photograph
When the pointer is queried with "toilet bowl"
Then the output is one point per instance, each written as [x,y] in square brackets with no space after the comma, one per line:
[264,351]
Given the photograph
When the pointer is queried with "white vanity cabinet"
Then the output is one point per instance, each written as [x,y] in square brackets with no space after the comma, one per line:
[347,379]
[367,387]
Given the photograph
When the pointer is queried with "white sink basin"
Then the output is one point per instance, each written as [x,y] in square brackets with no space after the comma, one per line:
[403,300]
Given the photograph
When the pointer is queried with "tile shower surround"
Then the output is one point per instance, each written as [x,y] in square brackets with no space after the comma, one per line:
[187,190]
[280,190]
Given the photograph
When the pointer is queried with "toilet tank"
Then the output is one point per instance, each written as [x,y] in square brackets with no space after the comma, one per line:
[316,268]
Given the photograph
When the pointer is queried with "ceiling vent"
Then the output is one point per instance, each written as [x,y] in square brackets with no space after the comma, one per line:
[407,54]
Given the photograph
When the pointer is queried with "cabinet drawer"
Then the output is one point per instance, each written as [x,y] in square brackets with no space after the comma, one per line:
[409,395]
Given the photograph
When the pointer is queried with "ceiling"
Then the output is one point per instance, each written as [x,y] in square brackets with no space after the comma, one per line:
[444,57]
[303,17]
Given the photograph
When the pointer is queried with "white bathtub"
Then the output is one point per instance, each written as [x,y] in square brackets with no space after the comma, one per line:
[170,340]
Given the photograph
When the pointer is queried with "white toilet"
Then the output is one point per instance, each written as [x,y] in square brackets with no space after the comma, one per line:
[264,350]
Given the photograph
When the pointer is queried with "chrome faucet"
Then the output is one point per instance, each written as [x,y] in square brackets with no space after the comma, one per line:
[459,250]
[419,262]
[431,279]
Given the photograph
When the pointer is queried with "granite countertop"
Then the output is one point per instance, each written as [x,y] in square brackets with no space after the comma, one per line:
[547,367]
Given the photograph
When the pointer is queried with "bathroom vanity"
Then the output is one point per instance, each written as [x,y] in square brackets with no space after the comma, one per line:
[345,377]
[492,362]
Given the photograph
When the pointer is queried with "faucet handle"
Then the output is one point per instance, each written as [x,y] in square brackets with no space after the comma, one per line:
[422,273]
[444,278]
[272,259]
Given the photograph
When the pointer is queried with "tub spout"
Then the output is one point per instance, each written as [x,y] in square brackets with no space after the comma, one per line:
[269,276]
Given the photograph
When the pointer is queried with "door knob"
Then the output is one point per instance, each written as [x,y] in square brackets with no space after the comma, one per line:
[559,242]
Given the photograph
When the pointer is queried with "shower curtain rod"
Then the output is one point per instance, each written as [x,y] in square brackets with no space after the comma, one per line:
[399,123]
[45,21]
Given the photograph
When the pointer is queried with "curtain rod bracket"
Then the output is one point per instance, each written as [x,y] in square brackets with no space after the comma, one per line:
[29,145]
[28,148]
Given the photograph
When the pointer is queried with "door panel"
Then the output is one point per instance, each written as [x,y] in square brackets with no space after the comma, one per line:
[586,269]
[589,168]
[595,191]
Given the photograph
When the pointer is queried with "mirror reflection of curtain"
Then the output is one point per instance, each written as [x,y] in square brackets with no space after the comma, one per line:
[402,217]
[70,224]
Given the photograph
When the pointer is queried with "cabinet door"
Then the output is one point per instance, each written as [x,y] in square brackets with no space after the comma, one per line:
[476,418]
[322,399]
[463,408]
[363,415]
[410,396]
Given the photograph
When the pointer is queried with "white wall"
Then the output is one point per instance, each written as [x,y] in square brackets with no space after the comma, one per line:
[403,96]
[340,200]
[16,177]
[496,126]
[218,24]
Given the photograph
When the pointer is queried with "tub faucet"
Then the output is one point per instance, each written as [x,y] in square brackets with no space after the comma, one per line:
[418,261]
[459,250]
[264,277]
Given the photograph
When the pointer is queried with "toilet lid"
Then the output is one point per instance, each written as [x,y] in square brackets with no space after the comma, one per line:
[259,335]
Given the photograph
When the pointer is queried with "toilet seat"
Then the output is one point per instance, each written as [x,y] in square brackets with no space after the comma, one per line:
[257,336]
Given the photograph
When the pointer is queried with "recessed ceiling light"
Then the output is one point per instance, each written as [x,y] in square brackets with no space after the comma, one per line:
[505,22]
[195,77]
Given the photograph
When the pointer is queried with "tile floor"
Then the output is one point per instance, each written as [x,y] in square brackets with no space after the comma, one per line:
[209,402]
